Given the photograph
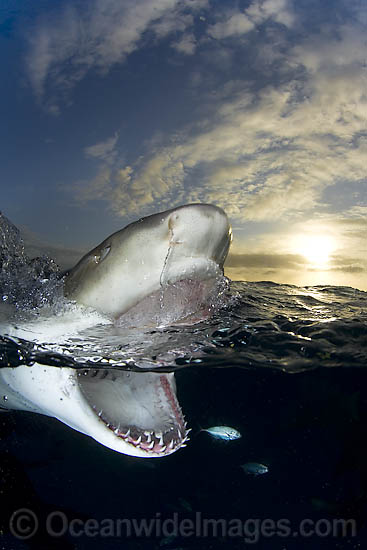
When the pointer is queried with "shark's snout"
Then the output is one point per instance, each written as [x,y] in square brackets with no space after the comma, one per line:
[199,240]
[187,243]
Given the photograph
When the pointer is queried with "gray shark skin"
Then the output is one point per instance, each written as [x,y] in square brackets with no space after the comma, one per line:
[186,243]
[168,262]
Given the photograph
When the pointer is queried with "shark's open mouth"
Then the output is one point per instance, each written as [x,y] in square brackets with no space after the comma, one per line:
[140,408]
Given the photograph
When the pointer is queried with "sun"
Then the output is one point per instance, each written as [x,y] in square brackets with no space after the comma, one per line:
[317,249]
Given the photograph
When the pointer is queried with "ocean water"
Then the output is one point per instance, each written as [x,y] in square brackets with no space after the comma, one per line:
[283,365]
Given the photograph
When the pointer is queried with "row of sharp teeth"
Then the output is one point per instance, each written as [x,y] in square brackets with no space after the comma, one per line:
[149,435]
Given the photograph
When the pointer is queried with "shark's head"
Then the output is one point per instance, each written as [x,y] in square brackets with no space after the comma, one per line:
[154,263]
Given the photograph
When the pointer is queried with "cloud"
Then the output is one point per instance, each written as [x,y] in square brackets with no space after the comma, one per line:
[265,261]
[69,42]
[97,188]
[349,268]
[266,156]
[293,269]
[356,215]
[268,153]
[263,148]
[66,45]
[104,150]
[236,24]
[279,10]
[186,44]
[296,262]
[282,251]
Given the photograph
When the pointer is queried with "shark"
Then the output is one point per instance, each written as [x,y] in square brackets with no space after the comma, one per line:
[161,269]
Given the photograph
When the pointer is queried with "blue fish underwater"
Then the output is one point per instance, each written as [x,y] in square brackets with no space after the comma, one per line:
[222,432]
[255,468]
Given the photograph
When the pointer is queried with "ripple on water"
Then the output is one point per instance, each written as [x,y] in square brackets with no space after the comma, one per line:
[259,325]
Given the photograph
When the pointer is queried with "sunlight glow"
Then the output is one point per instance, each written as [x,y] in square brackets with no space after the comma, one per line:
[315,248]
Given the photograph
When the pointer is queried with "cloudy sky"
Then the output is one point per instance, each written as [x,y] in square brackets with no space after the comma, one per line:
[116,109]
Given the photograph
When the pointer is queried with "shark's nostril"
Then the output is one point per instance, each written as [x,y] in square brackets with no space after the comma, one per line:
[104,253]
[98,258]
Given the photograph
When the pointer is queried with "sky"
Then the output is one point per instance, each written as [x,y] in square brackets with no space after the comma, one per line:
[116,109]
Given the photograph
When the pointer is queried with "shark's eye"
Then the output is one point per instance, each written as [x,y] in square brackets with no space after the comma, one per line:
[98,258]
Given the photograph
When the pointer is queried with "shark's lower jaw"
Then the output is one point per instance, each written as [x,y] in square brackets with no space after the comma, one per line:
[140,409]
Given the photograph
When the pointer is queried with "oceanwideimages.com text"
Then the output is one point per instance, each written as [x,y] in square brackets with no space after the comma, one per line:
[24,524]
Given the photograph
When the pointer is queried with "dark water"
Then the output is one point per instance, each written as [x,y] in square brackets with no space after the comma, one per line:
[283,365]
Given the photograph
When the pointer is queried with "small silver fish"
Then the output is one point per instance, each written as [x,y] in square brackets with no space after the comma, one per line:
[223,432]
[254,468]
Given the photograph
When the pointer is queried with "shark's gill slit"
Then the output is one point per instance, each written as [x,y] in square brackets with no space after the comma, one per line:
[144,412]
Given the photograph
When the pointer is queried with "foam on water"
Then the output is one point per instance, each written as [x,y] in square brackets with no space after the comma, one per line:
[52,324]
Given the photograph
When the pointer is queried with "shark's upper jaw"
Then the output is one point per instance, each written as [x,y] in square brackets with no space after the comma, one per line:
[140,409]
